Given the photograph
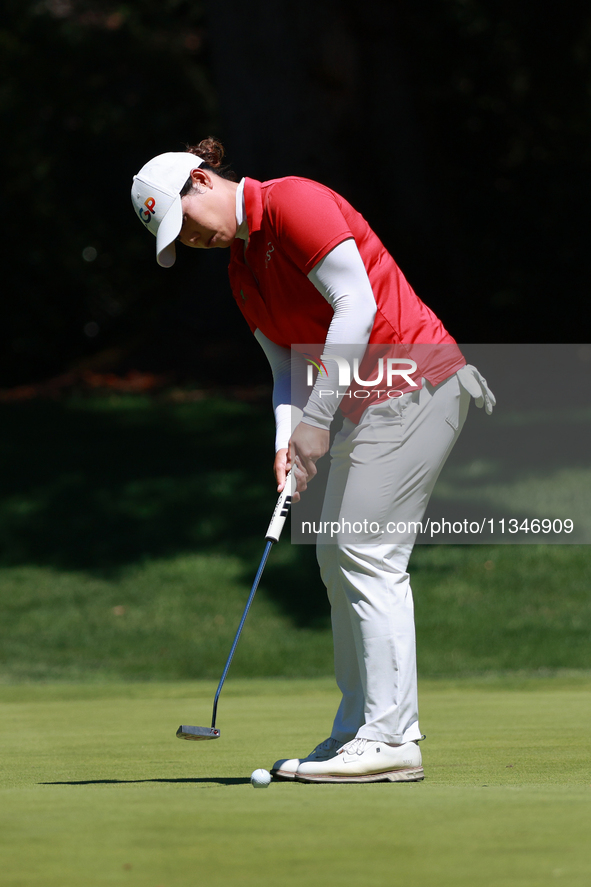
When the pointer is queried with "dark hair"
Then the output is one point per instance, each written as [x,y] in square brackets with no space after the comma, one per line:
[212,153]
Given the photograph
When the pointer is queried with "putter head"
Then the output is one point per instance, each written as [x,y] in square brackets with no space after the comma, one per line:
[197,733]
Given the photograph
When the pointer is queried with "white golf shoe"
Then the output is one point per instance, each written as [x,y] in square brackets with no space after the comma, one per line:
[286,768]
[366,760]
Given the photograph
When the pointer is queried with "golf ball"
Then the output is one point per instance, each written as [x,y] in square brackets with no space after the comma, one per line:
[260,778]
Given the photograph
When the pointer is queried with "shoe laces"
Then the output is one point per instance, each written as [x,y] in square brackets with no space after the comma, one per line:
[354,747]
[327,745]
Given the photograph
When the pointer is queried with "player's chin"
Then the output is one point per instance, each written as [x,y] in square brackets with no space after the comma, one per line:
[219,241]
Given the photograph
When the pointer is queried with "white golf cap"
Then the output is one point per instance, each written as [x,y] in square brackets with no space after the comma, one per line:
[155,195]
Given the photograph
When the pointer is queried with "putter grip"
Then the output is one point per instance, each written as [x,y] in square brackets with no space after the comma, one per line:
[281,509]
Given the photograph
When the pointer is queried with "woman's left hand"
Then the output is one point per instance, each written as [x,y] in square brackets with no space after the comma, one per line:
[307,444]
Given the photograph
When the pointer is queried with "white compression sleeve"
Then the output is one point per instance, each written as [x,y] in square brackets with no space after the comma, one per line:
[289,391]
[342,279]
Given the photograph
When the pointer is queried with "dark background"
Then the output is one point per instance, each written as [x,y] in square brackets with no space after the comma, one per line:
[459,128]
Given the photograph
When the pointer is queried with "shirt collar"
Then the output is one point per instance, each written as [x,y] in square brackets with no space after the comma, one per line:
[241,222]
[253,204]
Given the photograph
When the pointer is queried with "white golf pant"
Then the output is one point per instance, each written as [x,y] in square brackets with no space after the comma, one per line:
[383,469]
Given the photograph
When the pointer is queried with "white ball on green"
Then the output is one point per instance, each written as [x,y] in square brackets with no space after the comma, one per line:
[260,778]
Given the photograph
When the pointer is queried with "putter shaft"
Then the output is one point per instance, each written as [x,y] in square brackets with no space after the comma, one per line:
[253,590]
[273,533]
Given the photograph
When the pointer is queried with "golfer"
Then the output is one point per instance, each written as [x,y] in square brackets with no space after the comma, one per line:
[306,270]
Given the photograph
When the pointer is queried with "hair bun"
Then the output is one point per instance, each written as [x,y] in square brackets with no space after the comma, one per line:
[210,150]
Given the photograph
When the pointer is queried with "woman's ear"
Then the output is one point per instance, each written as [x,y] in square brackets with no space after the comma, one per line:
[200,178]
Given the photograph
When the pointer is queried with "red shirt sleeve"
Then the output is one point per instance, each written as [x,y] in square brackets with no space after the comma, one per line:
[307,220]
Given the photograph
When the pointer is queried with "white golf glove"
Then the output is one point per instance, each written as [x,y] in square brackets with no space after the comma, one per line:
[476,386]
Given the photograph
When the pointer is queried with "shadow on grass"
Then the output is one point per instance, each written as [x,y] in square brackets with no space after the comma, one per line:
[209,780]
[100,483]
[97,484]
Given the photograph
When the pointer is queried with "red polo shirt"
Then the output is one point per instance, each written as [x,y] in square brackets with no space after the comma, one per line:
[293,223]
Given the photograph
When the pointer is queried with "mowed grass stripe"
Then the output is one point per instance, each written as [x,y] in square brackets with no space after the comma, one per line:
[98,791]
[233,835]
[478,608]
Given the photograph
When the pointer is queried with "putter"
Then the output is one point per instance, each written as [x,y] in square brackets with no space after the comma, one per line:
[273,533]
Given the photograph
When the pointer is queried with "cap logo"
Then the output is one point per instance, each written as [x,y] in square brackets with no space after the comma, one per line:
[146,214]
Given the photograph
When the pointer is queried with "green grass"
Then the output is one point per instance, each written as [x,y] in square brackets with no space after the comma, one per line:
[497,608]
[131,530]
[166,619]
[95,789]
[479,609]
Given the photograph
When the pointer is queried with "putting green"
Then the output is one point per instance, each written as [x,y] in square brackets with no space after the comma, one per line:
[96,790]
